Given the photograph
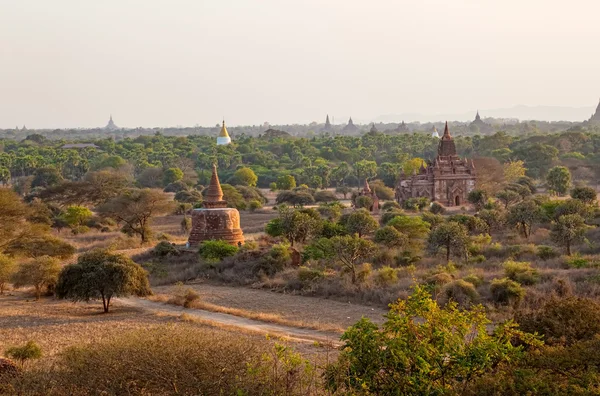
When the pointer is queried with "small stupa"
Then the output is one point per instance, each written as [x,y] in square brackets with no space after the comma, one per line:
[223,138]
[215,220]
[434,133]
[111,126]
[368,192]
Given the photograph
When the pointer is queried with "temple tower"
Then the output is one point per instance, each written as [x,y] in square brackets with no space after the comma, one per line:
[111,125]
[215,220]
[223,138]
[596,115]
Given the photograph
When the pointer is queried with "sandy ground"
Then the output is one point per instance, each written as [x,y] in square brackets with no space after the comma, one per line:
[287,306]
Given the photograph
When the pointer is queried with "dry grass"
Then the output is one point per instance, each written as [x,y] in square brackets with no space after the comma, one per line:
[261,316]
[289,309]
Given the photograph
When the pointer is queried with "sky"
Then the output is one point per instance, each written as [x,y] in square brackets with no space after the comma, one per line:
[72,63]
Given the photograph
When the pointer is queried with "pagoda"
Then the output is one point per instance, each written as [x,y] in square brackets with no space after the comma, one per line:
[402,127]
[223,138]
[367,192]
[350,127]
[111,126]
[596,115]
[434,133]
[327,126]
[448,179]
[215,221]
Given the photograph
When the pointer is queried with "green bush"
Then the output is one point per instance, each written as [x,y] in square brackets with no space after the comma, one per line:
[577,261]
[216,250]
[325,196]
[386,276]
[439,279]
[547,252]
[29,351]
[364,271]
[436,208]
[275,260]
[506,292]
[474,279]
[521,272]
[390,205]
[460,291]
[254,205]
[165,248]
[307,275]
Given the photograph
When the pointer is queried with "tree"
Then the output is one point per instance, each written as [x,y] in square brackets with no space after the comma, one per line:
[244,177]
[508,197]
[568,230]
[172,175]
[524,215]
[135,209]
[295,198]
[390,237]
[412,226]
[365,170]
[412,165]
[286,182]
[361,222]
[76,216]
[46,177]
[294,225]
[345,250]
[586,195]
[8,267]
[344,190]
[363,201]
[424,349]
[451,236]
[100,274]
[477,198]
[559,179]
[513,171]
[39,273]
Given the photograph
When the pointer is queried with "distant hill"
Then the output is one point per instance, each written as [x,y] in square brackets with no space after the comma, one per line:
[521,112]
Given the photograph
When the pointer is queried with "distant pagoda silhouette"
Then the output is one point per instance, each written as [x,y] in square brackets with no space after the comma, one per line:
[327,126]
[350,127]
[402,127]
[596,115]
[111,126]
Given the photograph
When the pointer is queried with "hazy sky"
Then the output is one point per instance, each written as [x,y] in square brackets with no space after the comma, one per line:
[70,63]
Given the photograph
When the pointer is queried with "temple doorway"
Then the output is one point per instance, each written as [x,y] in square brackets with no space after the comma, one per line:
[457,200]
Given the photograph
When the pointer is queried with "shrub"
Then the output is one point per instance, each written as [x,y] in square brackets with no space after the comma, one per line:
[474,279]
[295,198]
[307,275]
[275,260]
[363,202]
[390,237]
[460,291]
[216,250]
[547,252]
[436,208]
[176,186]
[325,196]
[563,320]
[521,272]
[506,292]
[386,276]
[8,267]
[391,205]
[363,272]
[389,215]
[29,351]
[254,205]
[439,279]
[40,273]
[577,261]
[165,248]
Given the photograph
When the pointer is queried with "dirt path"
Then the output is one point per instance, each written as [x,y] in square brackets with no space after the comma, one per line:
[293,333]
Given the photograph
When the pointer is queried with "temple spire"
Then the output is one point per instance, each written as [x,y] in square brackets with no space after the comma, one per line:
[327,123]
[214,193]
[446,132]
[477,117]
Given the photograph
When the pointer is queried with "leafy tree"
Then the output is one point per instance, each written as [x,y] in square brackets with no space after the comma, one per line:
[390,237]
[286,182]
[295,198]
[188,196]
[245,177]
[568,230]
[423,349]
[172,175]
[514,170]
[100,274]
[8,267]
[524,215]
[361,222]
[40,273]
[344,190]
[77,215]
[381,190]
[216,250]
[110,161]
[586,195]
[151,177]
[46,177]
[365,169]
[477,198]
[559,179]
[294,225]
[412,165]
[508,197]
[363,201]
[451,236]
[135,208]
[347,251]
[415,228]
[494,218]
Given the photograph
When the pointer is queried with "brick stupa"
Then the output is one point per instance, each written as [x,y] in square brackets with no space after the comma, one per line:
[215,220]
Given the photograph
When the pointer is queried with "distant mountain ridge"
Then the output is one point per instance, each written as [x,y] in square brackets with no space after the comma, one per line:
[521,112]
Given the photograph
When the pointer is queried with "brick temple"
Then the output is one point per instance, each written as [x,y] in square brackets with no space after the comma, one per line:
[215,220]
[448,179]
